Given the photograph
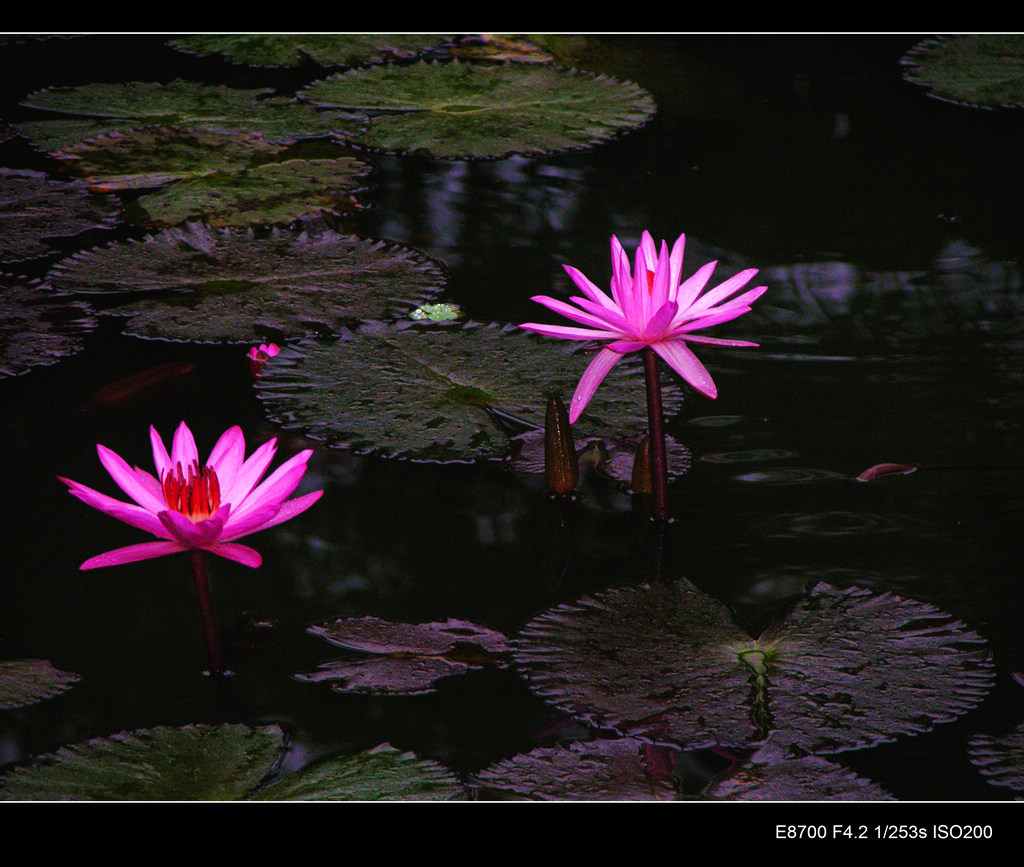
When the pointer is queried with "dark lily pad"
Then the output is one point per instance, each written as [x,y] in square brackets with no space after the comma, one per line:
[26,681]
[126,105]
[37,210]
[406,658]
[440,392]
[219,763]
[234,285]
[842,670]
[980,70]
[324,49]
[450,110]
[1000,759]
[39,328]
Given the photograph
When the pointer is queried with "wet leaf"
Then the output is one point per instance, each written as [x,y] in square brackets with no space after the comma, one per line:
[980,70]
[233,285]
[39,328]
[37,211]
[324,49]
[842,670]
[220,763]
[1000,759]
[408,658]
[440,392]
[450,110]
[26,681]
[107,107]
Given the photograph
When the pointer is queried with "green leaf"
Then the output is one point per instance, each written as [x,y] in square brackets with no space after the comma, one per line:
[26,681]
[38,328]
[450,110]
[980,70]
[1000,759]
[843,670]
[293,49]
[441,392]
[234,285]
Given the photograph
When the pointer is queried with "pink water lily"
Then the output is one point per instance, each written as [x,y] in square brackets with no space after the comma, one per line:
[190,505]
[649,307]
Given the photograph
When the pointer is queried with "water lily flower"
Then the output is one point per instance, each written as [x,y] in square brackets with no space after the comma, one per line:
[649,307]
[193,506]
[259,356]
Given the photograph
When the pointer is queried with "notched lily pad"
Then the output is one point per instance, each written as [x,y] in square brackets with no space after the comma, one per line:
[456,109]
[442,392]
[979,70]
[1000,759]
[405,658]
[26,681]
[103,108]
[220,763]
[36,210]
[39,328]
[842,670]
[324,49]
[233,285]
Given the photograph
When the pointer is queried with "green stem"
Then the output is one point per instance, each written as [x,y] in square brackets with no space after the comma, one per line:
[656,443]
[202,585]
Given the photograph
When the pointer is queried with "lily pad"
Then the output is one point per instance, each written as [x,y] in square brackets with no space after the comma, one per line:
[37,210]
[444,392]
[120,106]
[294,49]
[407,658]
[1000,759]
[219,763]
[26,681]
[842,670]
[39,328]
[450,110]
[235,285]
[980,70]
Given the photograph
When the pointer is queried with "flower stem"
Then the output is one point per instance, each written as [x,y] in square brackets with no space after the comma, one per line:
[202,585]
[656,442]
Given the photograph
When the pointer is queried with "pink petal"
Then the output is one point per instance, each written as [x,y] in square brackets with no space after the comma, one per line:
[589,289]
[623,347]
[568,332]
[249,474]
[128,480]
[287,511]
[183,449]
[687,365]
[676,262]
[129,513]
[694,285]
[724,290]
[660,321]
[596,371]
[131,554]
[227,456]
[161,460]
[724,314]
[278,486]
[716,341]
[193,535]
[610,316]
[573,313]
[239,553]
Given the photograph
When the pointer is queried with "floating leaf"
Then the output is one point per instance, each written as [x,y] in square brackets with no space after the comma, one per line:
[439,392]
[235,285]
[39,328]
[1000,759]
[125,105]
[408,658]
[293,49]
[843,670]
[26,681]
[219,763]
[36,209]
[456,109]
[980,70]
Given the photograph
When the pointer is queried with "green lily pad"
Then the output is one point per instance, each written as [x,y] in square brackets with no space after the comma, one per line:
[445,392]
[39,328]
[219,763]
[450,110]
[980,70]
[405,658]
[842,670]
[1000,759]
[26,681]
[239,285]
[294,49]
[37,210]
[107,107]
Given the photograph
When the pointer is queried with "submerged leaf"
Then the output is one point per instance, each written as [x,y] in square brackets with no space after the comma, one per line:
[26,681]
[843,670]
[455,109]
[1000,759]
[39,328]
[444,392]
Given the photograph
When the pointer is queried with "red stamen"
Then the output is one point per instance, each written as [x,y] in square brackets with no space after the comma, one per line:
[196,497]
[650,282]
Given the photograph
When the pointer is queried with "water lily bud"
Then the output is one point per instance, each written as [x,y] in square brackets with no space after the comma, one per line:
[641,481]
[561,466]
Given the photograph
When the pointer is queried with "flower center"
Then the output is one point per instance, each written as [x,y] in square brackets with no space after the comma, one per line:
[196,496]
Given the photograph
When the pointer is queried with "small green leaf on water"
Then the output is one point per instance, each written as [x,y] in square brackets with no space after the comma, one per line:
[441,312]
[26,681]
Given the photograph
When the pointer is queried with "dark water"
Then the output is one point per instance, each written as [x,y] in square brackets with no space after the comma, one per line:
[808,157]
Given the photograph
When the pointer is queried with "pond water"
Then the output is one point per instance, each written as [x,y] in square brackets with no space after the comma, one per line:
[887,227]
